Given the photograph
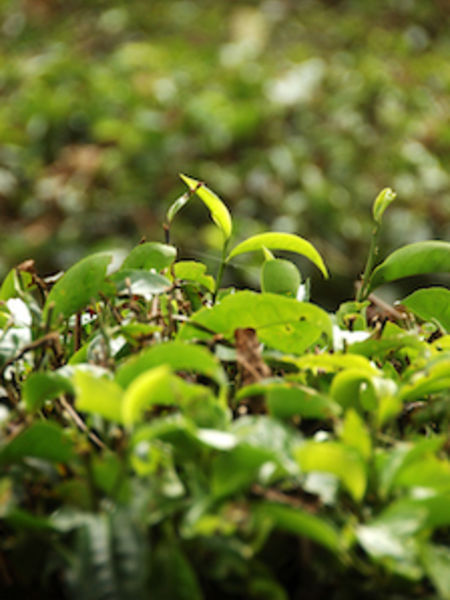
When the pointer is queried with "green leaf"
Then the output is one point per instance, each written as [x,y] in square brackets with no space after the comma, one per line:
[179,356]
[391,539]
[98,395]
[40,387]
[434,378]
[301,523]
[282,323]
[141,283]
[280,276]
[176,206]
[382,201]
[78,286]
[42,440]
[280,241]
[194,271]
[414,259]
[430,304]
[360,389]
[11,286]
[330,363]
[436,561]
[339,459]
[285,400]
[150,255]
[218,210]
[172,575]
[355,434]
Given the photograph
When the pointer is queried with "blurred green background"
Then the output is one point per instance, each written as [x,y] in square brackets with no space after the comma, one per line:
[296,113]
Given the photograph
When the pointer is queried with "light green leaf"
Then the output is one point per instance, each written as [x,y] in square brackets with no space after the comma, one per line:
[436,561]
[11,286]
[339,459]
[355,434]
[280,276]
[78,286]
[414,259]
[177,205]
[430,304]
[332,363]
[150,255]
[282,323]
[194,271]
[434,378]
[178,356]
[43,440]
[302,523]
[218,210]
[382,201]
[98,395]
[280,241]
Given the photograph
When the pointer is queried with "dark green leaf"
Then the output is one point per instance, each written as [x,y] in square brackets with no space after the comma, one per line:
[78,286]
[41,440]
[414,259]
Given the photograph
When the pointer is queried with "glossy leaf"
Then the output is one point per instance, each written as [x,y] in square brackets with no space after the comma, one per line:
[218,210]
[354,433]
[150,255]
[382,201]
[339,459]
[414,259]
[281,241]
[78,286]
[282,323]
[431,304]
[43,440]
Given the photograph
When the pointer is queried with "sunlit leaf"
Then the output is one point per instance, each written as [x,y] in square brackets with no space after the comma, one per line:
[218,210]
[341,460]
[98,395]
[281,241]
[194,271]
[382,201]
[282,323]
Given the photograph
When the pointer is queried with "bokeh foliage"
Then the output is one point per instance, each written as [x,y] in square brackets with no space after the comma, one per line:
[296,112]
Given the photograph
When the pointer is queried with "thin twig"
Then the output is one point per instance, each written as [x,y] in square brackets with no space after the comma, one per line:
[80,423]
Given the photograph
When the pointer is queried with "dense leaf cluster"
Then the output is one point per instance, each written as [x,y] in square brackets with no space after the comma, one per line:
[164,437]
[297,111]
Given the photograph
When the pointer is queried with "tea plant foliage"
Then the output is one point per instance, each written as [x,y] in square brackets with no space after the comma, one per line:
[162,436]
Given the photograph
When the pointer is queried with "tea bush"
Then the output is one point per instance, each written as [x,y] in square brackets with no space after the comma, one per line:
[163,436]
